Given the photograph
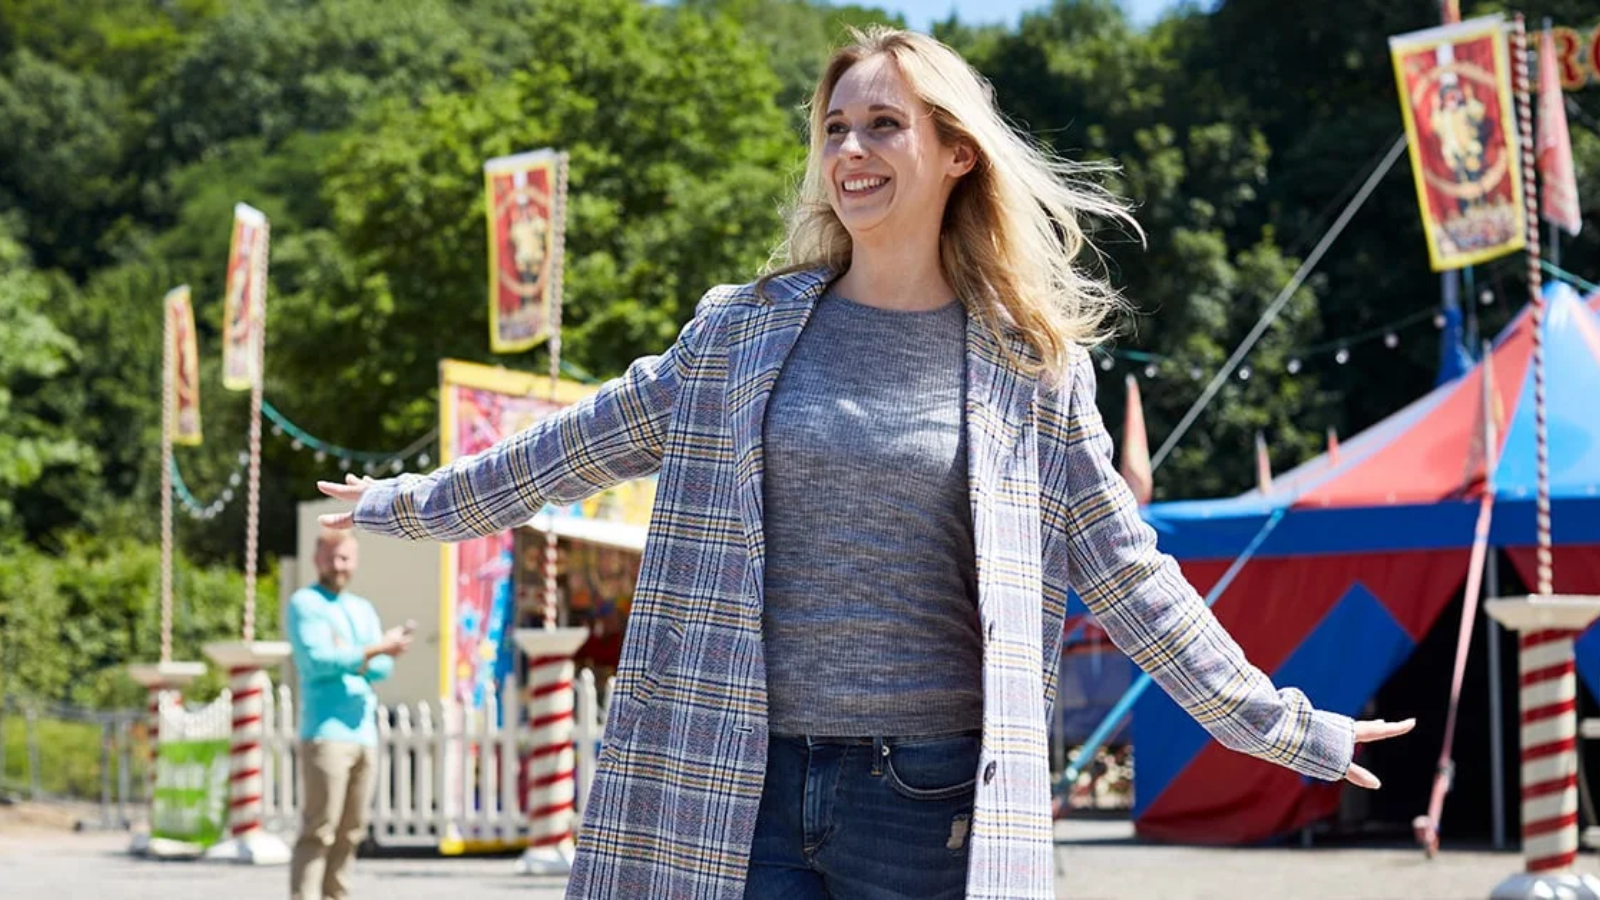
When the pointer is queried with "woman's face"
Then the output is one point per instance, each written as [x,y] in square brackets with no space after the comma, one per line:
[881,155]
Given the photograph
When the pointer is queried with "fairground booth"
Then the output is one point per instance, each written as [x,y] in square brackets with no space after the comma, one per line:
[469,598]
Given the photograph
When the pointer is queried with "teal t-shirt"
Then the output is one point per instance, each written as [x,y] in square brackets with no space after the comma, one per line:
[329,633]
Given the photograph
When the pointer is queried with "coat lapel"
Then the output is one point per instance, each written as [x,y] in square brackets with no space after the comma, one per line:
[760,336]
[999,403]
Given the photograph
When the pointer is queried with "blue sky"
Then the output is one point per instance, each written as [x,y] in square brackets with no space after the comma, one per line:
[920,14]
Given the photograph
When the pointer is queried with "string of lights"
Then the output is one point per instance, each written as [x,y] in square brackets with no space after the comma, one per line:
[370,462]
[1153,365]
[192,504]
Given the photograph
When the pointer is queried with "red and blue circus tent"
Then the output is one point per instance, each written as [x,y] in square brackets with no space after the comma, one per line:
[1371,547]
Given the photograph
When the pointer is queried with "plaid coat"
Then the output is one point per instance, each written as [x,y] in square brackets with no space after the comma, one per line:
[673,803]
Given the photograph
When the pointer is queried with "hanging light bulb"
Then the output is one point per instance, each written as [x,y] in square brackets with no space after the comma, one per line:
[344,463]
[422,459]
[1195,374]
[1244,373]
[277,431]
[368,468]
[1343,356]
[296,445]
[244,458]
[1439,321]
[234,479]
[321,457]
[1391,340]
[1293,366]
[227,495]
[1106,364]
[397,466]
[1486,297]
[1150,370]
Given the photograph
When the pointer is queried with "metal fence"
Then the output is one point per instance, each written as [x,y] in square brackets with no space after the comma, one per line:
[60,754]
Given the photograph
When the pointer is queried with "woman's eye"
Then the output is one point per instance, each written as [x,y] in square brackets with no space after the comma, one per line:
[834,128]
[885,122]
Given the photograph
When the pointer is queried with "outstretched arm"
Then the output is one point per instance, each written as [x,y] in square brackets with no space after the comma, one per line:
[616,435]
[1150,611]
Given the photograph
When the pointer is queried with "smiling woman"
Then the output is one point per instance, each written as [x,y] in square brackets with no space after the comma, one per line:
[942,186]
[881,471]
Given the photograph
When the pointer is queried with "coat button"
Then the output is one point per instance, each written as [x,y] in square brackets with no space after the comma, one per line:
[988,773]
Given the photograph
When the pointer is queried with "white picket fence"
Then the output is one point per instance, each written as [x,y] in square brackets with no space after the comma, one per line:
[446,777]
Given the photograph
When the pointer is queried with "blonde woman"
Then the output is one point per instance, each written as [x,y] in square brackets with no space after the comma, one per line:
[881,470]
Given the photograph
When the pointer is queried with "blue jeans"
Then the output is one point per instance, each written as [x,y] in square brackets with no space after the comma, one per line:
[864,818]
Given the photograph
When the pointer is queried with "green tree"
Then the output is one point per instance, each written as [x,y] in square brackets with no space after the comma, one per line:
[1090,86]
[679,159]
[796,37]
[32,351]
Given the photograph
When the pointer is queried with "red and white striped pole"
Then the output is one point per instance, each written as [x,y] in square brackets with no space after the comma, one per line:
[248,841]
[1549,751]
[1546,624]
[551,763]
[247,760]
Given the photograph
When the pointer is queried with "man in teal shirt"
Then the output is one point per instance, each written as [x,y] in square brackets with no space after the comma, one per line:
[340,649]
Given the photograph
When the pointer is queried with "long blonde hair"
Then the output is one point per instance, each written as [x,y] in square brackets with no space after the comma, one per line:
[1012,228]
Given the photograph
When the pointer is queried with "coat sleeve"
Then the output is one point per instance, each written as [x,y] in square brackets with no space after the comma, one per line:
[1140,597]
[615,435]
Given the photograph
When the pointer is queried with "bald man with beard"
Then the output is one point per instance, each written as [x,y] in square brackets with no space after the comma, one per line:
[340,650]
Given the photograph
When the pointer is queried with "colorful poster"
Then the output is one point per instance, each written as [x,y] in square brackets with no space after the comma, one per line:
[191,792]
[479,406]
[185,361]
[525,213]
[1455,97]
[244,298]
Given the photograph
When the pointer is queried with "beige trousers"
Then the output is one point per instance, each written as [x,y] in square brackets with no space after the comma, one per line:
[336,782]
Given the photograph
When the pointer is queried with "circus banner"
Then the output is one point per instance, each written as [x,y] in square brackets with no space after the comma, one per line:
[185,374]
[526,216]
[1455,98]
[244,298]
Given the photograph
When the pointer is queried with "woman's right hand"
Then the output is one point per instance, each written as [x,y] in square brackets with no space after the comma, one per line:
[351,490]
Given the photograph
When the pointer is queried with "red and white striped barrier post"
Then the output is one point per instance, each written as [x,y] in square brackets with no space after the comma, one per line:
[248,841]
[1546,623]
[551,762]
[1546,626]
[156,679]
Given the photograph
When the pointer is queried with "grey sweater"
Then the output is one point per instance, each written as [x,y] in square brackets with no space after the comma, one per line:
[871,623]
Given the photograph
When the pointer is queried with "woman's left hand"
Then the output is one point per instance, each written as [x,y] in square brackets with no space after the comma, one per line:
[351,490]
[1374,730]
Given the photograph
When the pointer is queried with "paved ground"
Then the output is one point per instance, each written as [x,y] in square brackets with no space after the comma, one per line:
[1096,860]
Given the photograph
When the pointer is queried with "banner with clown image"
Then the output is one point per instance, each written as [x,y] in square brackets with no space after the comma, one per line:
[1455,98]
[185,375]
[526,215]
[244,298]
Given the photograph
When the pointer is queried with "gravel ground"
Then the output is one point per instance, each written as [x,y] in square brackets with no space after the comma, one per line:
[1098,860]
